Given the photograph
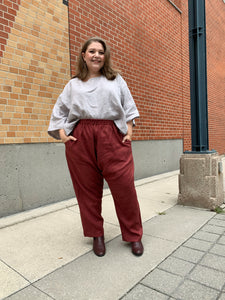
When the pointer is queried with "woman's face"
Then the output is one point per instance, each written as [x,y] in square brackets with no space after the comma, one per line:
[94,57]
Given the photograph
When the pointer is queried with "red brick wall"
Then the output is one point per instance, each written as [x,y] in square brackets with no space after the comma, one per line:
[178,3]
[147,46]
[185,78]
[215,31]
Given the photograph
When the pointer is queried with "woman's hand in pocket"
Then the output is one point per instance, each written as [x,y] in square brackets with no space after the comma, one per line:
[69,138]
[65,138]
[127,138]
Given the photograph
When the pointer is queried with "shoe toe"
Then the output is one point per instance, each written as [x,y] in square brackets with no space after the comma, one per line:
[99,246]
[137,248]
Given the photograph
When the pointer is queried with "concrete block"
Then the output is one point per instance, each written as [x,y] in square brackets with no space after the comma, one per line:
[178,224]
[195,291]
[188,254]
[206,236]
[216,222]
[162,281]
[141,292]
[47,243]
[218,249]
[10,281]
[222,240]
[214,261]
[29,293]
[220,217]
[198,244]
[211,278]
[176,266]
[201,181]
[125,271]
[213,229]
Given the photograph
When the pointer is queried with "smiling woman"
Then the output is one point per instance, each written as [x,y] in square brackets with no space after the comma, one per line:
[94,57]
[102,48]
[94,118]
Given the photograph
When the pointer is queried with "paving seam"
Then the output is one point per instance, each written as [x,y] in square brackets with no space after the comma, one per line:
[171,254]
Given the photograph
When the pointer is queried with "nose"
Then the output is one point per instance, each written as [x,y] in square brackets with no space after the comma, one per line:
[96,54]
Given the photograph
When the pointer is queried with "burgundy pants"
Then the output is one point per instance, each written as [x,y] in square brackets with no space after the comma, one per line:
[100,153]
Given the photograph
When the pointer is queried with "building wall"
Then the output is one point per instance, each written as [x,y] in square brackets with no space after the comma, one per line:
[146,43]
[215,31]
[40,41]
[186,108]
[35,65]
[149,45]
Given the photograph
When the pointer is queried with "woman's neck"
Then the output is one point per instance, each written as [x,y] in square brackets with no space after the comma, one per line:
[93,75]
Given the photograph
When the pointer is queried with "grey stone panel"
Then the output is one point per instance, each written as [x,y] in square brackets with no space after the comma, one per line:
[31,176]
[10,198]
[34,175]
[156,156]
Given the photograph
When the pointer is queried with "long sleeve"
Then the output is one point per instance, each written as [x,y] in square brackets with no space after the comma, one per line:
[97,98]
[60,113]
[128,103]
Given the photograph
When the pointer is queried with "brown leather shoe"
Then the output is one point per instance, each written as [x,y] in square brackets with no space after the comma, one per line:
[99,246]
[137,248]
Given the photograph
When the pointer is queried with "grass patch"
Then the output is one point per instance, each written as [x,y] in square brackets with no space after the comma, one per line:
[219,210]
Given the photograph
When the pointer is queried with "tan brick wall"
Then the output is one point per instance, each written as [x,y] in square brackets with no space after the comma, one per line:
[35,66]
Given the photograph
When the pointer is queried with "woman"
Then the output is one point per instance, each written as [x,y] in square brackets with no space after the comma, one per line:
[94,116]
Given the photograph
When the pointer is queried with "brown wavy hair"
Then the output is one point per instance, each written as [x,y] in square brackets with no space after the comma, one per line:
[107,70]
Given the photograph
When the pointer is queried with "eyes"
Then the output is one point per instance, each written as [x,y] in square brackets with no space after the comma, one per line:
[92,51]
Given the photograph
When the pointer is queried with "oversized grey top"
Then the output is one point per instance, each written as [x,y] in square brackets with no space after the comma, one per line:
[97,98]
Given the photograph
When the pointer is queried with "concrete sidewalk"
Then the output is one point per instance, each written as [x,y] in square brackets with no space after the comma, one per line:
[43,254]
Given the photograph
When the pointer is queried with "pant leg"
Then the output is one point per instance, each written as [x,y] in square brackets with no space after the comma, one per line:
[115,159]
[87,179]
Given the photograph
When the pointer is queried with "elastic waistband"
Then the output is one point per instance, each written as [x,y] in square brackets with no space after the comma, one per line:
[96,122]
